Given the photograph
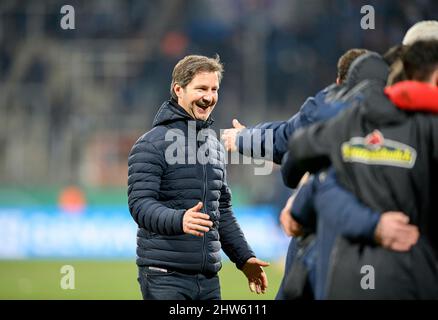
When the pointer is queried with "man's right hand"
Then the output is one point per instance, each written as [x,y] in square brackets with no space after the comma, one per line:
[196,222]
[394,232]
[230,135]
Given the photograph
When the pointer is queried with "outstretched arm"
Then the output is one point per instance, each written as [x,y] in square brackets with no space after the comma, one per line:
[236,247]
[268,140]
[232,238]
[343,210]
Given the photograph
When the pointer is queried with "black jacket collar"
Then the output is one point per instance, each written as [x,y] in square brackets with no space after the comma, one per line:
[170,112]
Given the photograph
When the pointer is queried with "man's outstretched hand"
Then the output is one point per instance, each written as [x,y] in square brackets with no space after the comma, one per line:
[230,135]
[196,222]
[257,279]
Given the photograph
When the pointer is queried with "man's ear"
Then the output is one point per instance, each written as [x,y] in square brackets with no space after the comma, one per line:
[338,81]
[177,88]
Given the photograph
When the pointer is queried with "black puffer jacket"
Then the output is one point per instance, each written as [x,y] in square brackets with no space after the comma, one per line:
[160,191]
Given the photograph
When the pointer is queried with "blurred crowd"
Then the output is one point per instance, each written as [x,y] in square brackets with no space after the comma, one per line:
[73,102]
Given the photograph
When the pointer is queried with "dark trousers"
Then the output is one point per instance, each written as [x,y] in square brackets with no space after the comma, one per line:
[172,285]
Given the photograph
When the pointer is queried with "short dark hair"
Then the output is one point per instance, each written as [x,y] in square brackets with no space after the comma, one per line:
[346,60]
[420,60]
[394,53]
[186,69]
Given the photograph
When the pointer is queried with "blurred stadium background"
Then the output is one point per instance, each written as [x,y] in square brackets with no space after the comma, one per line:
[72,102]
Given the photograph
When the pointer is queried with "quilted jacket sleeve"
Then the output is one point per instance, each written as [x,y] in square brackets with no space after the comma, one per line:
[350,216]
[232,238]
[270,139]
[146,166]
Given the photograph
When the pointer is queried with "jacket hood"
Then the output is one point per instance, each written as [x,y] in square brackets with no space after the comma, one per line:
[369,66]
[366,80]
[170,111]
[414,96]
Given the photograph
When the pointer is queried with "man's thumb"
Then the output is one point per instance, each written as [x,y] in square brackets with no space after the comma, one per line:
[237,124]
[401,217]
[262,263]
[197,207]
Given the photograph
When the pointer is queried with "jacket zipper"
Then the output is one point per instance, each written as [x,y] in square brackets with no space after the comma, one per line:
[204,196]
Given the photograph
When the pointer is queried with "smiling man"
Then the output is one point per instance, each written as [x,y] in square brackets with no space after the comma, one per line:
[183,209]
[199,96]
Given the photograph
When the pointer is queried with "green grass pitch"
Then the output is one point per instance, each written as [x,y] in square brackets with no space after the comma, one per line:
[41,279]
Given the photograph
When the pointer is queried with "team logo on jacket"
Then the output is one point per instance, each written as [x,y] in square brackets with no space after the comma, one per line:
[374,149]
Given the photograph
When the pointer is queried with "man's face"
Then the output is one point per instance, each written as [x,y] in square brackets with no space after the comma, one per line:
[200,96]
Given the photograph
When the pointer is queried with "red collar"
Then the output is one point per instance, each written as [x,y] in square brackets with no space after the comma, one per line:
[414,96]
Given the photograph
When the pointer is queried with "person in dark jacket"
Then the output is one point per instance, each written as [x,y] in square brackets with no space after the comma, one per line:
[323,205]
[339,211]
[332,210]
[179,197]
[248,139]
[388,158]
